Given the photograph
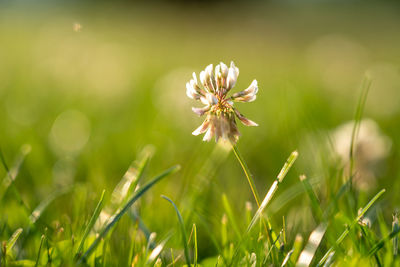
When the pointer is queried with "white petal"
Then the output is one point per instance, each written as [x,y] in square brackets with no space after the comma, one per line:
[210,79]
[218,77]
[209,69]
[197,89]
[245,120]
[247,95]
[211,99]
[202,128]
[201,111]
[224,69]
[245,98]
[218,71]
[204,100]
[209,134]
[203,78]
[224,75]
[253,88]
[189,91]
[195,77]
[232,76]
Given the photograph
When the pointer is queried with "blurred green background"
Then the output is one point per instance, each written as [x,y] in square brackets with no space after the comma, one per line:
[88,86]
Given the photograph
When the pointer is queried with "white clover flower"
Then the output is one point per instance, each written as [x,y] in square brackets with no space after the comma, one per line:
[212,92]
[371,148]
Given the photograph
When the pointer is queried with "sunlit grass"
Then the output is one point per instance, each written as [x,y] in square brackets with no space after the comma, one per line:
[83,93]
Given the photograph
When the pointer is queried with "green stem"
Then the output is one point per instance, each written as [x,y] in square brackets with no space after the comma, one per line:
[247,173]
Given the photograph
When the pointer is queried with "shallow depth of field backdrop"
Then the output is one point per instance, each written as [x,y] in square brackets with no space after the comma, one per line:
[88,86]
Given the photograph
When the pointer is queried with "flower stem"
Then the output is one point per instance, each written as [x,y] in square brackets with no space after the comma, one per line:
[247,173]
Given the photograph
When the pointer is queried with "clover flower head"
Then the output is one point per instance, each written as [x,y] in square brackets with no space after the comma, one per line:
[220,113]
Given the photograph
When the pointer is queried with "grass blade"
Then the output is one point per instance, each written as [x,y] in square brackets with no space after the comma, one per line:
[40,250]
[38,211]
[182,226]
[395,227]
[286,167]
[126,186]
[12,172]
[307,254]
[91,223]
[195,245]
[345,233]
[229,213]
[313,197]
[131,177]
[360,108]
[137,194]
[247,173]
[287,258]
[13,239]
[156,251]
[381,243]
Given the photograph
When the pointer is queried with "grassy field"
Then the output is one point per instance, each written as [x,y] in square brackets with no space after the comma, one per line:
[93,108]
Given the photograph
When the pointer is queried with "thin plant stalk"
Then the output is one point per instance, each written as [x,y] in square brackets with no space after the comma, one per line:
[285,169]
[247,173]
[360,108]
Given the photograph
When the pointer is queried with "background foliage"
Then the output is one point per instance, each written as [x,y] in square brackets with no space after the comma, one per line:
[88,87]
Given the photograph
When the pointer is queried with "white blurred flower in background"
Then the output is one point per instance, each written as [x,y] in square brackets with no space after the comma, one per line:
[371,148]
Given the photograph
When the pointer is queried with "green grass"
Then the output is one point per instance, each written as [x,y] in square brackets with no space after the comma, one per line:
[80,184]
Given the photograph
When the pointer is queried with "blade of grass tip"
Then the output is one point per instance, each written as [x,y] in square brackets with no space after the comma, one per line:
[137,194]
[229,213]
[40,250]
[182,226]
[286,167]
[360,108]
[355,221]
[195,245]
[314,240]
[13,239]
[38,211]
[313,197]
[91,223]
